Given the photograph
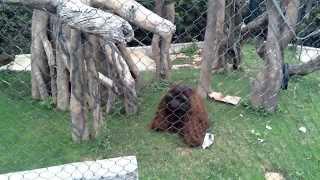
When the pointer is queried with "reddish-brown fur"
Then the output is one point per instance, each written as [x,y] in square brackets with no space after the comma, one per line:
[192,124]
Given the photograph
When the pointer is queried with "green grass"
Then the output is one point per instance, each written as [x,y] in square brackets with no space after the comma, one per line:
[33,135]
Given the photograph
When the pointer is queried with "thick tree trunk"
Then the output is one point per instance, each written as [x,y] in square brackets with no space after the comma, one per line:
[232,49]
[126,81]
[161,45]
[63,66]
[39,64]
[267,84]
[305,68]
[156,39]
[53,21]
[118,70]
[165,43]
[94,88]
[291,15]
[107,76]
[80,131]
[214,32]
[287,27]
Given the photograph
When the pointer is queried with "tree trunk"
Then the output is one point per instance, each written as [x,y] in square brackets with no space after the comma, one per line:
[287,27]
[80,131]
[232,48]
[106,70]
[214,32]
[53,21]
[126,83]
[94,88]
[132,66]
[39,64]
[161,45]
[267,84]
[70,73]
[63,66]
[155,45]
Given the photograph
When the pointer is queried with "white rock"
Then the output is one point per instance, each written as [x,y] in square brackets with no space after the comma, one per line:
[268,127]
[260,140]
[303,129]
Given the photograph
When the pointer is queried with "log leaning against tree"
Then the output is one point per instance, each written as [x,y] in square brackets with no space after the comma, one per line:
[139,15]
[128,9]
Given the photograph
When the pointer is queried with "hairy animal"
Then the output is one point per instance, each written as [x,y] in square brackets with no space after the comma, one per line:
[182,111]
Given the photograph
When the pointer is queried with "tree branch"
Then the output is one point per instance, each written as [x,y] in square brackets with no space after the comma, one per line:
[305,68]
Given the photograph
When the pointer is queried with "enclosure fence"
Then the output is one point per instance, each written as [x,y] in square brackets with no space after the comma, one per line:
[110,89]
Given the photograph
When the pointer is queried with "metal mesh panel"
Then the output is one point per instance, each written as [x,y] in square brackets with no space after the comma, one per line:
[89,96]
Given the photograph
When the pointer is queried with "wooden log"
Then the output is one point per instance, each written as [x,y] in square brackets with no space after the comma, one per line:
[94,21]
[155,45]
[139,15]
[39,65]
[91,48]
[53,21]
[63,66]
[161,45]
[288,26]
[80,131]
[126,83]
[132,66]
[128,9]
[165,42]
[304,68]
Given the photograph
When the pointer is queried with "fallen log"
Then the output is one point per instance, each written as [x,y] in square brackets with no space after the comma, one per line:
[304,68]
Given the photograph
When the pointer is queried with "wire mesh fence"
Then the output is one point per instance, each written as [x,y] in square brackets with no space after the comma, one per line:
[113,89]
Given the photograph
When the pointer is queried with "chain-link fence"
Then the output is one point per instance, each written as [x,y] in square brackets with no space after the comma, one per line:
[115,90]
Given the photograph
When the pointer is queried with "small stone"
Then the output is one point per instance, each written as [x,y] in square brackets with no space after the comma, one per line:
[241,115]
[260,140]
[303,129]
[268,127]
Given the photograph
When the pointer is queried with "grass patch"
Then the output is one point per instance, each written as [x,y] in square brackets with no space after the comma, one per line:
[34,135]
